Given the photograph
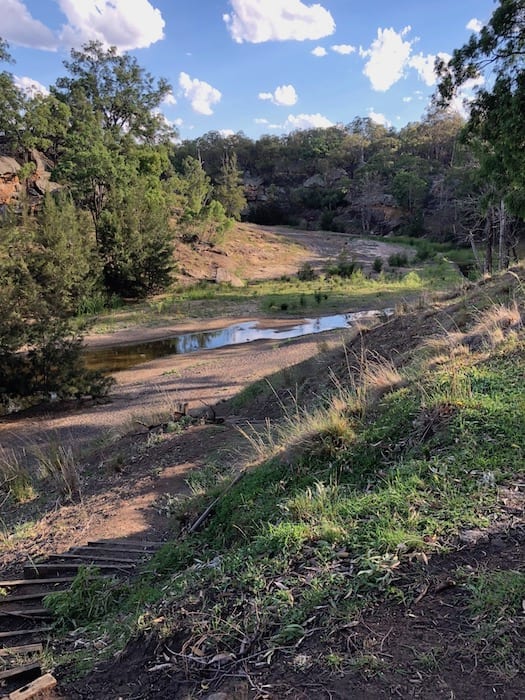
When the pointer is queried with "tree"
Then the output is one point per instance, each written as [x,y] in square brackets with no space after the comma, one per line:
[496,127]
[229,190]
[12,102]
[120,92]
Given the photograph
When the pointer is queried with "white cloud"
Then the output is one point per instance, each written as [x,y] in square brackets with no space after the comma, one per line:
[169,99]
[343,49]
[283,96]
[306,121]
[30,87]
[200,94]
[424,66]
[178,122]
[277,20]
[261,120]
[226,132]
[475,25]
[113,22]
[407,99]
[19,27]
[379,118]
[461,101]
[319,51]
[388,57]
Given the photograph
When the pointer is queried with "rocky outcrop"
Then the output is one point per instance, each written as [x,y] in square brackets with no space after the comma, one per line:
[36,184]
[9,182]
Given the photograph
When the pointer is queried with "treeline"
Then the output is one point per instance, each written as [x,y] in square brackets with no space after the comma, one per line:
[107,230]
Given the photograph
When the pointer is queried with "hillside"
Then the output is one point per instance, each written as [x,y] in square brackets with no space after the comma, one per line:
[373,545]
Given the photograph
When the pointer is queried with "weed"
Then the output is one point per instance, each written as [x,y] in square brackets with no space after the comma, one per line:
[15,478]
[306,273]
[398,260]
[59,464]
[89,598]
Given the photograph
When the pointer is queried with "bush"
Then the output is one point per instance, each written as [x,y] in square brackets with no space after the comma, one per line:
[377,265]
[306,273]
[343,266]
[398,260]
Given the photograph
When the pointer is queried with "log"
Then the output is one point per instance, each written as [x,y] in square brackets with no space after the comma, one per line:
[89,559]
[33,571]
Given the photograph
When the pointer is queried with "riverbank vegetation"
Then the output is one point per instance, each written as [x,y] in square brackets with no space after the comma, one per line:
[407,443]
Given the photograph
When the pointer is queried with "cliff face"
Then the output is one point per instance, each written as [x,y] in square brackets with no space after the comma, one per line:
[17,179]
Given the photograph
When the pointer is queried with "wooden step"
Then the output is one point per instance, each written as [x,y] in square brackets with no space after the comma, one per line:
[26,612]
[31,690]
[94,546]
[26,596]
[20,670]
[90,559]
[136,544]
[33,582]
[34,571]
[20,633]
[22,651]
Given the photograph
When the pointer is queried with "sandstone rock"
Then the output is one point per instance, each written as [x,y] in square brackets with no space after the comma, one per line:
[223,276]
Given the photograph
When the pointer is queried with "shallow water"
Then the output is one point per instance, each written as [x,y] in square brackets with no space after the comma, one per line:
[120,357]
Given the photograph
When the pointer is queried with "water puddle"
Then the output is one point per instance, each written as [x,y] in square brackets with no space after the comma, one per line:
[121,357]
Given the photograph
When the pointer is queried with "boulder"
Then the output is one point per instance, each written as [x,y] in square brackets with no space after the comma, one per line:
[223,276]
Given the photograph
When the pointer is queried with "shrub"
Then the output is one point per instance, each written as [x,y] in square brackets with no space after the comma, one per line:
[398,260]
[306,273]
[377,264]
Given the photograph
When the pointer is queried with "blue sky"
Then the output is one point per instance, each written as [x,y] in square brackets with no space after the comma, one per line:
[257,66]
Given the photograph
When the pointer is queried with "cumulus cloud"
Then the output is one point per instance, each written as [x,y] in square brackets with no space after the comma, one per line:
[225,133]
[424,65]
[475,25]
[200,94]
[343,49]
[319,51]
[379,118]
[113,22]
[19,27]
[30,87]
[283,96]
[306,121]
[169,99]
[461,101]
[255,22]
[388,57]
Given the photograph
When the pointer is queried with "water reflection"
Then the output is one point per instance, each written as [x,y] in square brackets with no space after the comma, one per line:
[122,357]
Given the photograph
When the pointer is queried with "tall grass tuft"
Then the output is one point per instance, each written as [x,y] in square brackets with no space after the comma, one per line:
[15,478]
[59,464]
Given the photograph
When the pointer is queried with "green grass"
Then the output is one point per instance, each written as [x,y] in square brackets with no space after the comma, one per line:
[289,296]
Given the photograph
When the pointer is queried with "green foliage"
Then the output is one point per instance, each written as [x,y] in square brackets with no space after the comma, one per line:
[229,190]
[89,598]
[306,273]
[377,265]
[398,260]
[343,266]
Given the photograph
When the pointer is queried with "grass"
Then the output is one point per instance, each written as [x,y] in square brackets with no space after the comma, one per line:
[16,479]
[289,296]
[387,468]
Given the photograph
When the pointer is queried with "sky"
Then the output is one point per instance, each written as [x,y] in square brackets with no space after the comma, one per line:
[256,66]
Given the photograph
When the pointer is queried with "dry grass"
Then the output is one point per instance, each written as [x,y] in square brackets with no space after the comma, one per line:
[59,464]
[16,480]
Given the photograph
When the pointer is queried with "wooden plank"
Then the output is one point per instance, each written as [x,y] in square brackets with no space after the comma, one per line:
[23,650]
[34,688]
[26,596]
[33,571]
[90,559]
[112,550]
[32,582]
[25,612]
[20,670]
[19,633]
[138,544]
